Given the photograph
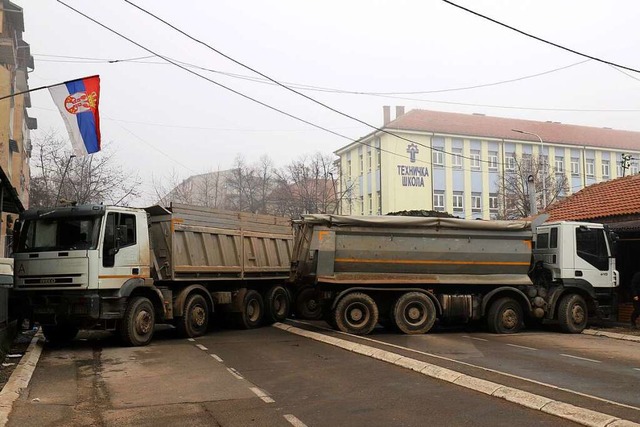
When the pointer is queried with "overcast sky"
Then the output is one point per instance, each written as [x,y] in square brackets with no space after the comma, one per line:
[159,118]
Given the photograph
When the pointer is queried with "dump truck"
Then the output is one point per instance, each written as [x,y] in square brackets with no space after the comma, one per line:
[126,269]
[408,272]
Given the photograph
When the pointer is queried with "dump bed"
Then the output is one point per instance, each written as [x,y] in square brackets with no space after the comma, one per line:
[409,250]
[196,243]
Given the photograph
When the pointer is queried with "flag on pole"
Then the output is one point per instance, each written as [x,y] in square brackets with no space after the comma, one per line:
[77,101]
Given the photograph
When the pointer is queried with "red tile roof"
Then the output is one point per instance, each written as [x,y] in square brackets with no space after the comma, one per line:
[500,127]
[606,199]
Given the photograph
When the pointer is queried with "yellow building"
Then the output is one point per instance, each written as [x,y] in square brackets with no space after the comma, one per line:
[15,124]
[454,162]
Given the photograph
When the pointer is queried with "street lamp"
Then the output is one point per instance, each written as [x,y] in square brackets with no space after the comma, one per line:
[544,165]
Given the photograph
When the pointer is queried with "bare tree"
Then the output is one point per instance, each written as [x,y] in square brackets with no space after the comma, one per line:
[514,186]
[97,178]
[306,185]
[249,186]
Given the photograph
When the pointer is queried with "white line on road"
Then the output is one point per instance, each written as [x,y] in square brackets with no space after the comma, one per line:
[471,365]
[637,369]
[474,338]
[235,373]
[261,394]
[580,358]
[294,421]
[215,356]
[201,347]
[190,339]
[522,346]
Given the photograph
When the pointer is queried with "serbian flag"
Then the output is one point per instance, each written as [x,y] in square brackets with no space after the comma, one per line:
[77,101]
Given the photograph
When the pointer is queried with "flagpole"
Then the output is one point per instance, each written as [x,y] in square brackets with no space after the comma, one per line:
[44,87]
[62,180]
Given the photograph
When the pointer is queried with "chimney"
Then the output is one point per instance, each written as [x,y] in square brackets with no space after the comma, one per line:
[399,110]
[386,115]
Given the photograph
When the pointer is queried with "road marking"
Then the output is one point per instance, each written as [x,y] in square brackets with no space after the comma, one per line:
[522,346]
[201,347]
[471,365]
[637,369]
[190,339]
[294,421]
[262,395]
[215,356]
[474,338]
[581,358]
[235,373]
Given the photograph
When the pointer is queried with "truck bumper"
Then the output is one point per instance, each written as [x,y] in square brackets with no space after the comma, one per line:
[76,307]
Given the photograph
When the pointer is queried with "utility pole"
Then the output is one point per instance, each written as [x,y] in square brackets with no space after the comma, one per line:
[626,162]
[544,165]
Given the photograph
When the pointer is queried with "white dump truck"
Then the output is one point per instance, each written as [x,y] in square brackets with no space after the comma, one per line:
[126,269]
[406,272]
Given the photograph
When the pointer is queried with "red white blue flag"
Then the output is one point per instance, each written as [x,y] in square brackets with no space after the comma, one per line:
[77,101]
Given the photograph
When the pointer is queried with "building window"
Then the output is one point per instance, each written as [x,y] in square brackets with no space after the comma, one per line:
[590,166]
[379,201]
[559,165]
[510,162]
[575,166]
[493,161]
[379,158]
[348,168]
[361,204]
[476,202]
[370,204]
[475,159]
[361,164]
[458,202]
[456,158]
[634,168]
[438,201]
[605,169]
[369,160]
[438,157]
[493,202]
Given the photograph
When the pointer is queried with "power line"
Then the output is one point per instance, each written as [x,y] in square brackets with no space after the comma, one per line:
[375,128]
[604,61]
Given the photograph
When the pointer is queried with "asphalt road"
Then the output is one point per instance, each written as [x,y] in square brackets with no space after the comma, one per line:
[264,377]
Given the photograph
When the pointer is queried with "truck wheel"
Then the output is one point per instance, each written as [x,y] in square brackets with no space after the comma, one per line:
[252,311]
[307,305]
[195,321]
[572,314]
[278,304]
[330,318]
[413,313]
[505,316]
[356,313]
[138,322]
[59,334]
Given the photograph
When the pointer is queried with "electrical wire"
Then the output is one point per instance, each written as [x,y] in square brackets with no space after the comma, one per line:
[540,39]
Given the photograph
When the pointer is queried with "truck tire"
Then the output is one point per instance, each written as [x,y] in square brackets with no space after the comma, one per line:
[505,316]
[61,333]
[252,312]
[138,322]
[413,313]
[278,304]
[356,313]
[572,314]
[307,305]
[195,321]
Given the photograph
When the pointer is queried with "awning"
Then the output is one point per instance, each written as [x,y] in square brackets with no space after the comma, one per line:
[9,199]
[625,226]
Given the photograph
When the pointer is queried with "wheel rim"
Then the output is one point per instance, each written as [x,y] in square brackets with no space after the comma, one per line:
[253,310]
[509,319]
[577,314]
[144,322]
[415,314]
[357,314]
[198,316]
[279,304]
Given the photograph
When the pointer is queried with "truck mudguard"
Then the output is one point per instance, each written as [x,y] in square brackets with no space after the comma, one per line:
[131,285]
[178,305]
[579,286]
[521,296]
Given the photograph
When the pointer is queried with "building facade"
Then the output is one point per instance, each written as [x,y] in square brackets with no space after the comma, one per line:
[16,62]
[430,160]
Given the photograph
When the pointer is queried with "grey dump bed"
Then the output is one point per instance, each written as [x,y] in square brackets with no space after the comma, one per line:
[402,250]
[202,244]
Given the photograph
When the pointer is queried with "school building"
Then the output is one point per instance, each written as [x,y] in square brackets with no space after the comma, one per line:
[433,160]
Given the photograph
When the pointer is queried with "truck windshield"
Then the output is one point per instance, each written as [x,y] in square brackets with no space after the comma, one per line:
[59,234]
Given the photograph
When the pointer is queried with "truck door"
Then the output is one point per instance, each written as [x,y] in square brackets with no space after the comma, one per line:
[592,261]
[120,252]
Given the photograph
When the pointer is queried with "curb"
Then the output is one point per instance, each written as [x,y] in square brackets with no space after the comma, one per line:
[615,335]
[20,377]
[577,414]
